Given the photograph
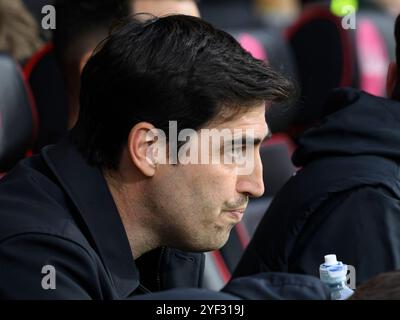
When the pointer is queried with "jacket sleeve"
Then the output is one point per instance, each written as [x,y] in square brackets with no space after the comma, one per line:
[277,286]
[42,266]
[362,227]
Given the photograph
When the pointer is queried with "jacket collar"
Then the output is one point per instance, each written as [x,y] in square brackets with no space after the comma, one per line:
[88,190]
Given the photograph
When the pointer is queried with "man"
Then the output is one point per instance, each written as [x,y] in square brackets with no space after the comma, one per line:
[115,200]
[345,199]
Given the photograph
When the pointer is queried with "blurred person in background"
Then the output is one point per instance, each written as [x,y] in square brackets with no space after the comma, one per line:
[19,32]
[162,7]
[81,25]
[277,13]
[391,6]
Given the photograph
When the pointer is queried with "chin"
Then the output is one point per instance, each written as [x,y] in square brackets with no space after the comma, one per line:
[208,242]
[208,246]
[219,243]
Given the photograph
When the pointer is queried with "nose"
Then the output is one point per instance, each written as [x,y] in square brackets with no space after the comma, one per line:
[252,184]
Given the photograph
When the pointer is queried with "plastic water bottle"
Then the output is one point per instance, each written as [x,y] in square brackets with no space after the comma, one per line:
[333,274]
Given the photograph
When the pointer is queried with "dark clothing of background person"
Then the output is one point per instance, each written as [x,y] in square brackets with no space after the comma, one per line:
[344,200]
[57,211]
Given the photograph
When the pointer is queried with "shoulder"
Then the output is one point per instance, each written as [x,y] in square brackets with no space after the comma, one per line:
[365,197]
[31,202]
[28,260]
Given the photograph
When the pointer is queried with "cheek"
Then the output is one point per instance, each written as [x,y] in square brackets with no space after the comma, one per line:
[212,186]
[196,192]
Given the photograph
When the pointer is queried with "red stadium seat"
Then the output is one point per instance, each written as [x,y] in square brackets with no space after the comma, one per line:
[372,56]
[18,116]
[329,56]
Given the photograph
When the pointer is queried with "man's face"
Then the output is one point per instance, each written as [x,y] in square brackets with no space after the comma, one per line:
[163,7]
[197,205]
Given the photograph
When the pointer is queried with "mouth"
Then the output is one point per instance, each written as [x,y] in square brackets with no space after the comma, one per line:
[236,214]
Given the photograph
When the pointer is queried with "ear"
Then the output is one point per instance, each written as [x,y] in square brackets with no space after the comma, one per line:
[391,79]
[141,147]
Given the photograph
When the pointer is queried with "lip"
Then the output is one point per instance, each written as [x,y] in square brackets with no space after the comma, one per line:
[236,214]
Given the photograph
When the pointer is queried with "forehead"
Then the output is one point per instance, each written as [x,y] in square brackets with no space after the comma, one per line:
[253,119]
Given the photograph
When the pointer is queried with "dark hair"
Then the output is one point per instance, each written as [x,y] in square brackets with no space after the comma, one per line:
[79,21]
[171,68]
[385,286]
[396,91]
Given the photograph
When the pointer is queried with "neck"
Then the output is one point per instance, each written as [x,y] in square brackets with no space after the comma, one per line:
[135,217]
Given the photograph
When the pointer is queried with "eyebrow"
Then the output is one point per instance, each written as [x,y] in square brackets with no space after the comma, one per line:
[251,140]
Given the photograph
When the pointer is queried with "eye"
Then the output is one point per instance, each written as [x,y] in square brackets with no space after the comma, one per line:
[238,150]
[239,153]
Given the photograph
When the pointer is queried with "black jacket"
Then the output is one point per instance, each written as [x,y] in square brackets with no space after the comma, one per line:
[56,210]
[346,198]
